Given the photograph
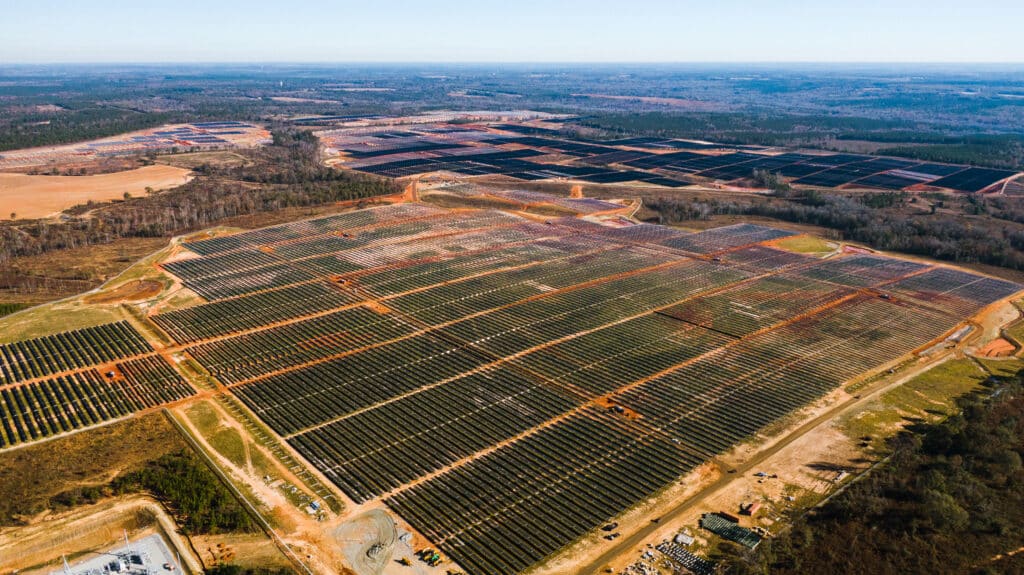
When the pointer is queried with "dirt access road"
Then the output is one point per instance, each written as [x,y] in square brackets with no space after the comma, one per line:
[39,546]
[637,539]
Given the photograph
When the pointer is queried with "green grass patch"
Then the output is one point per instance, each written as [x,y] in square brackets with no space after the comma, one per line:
[1016,331]
[9,308]
[1002,368]
[204,417]
[805,244]
[56,317]
[224,440]
[935,388]
[230,444]
[928,396]
[261,464]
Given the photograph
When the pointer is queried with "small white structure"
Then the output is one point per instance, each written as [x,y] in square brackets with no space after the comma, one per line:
[683,539]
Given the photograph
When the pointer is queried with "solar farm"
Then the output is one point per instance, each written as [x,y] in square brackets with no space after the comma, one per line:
[536,150]
[503,385]
[184,137]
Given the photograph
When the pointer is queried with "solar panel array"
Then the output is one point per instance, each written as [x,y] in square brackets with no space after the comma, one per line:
[70,380]
[530,152]
[508,386]
[201,135]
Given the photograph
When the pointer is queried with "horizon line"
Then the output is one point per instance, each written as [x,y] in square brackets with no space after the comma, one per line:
[514,62]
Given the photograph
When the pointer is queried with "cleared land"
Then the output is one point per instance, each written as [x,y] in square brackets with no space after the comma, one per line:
[200,136]
[41,196]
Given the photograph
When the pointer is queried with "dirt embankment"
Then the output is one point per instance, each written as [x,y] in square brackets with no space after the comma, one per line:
[41,196]
[135,290]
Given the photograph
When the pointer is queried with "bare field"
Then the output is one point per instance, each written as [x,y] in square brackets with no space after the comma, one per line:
[223,158]
[41,196]
[134,290]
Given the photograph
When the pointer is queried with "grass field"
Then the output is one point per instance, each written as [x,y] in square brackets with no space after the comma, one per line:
[225,440]
[56,317]
[929,397]
[806,245]
[221,159]
[31,476]
[1016,329]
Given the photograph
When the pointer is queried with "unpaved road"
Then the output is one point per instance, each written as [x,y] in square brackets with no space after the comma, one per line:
[638,538]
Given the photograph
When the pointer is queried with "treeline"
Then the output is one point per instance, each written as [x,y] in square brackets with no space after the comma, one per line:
[200,503]
[938,235]
[290,169]
[73,125]
[992,150]
[738,128]
[996,151]
[7,308]
[949,500]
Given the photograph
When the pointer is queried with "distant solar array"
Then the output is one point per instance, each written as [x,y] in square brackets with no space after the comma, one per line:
[539,151]
[183,137]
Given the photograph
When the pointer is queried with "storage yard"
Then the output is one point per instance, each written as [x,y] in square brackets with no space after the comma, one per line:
[504,385]
[165,139]
[535,149]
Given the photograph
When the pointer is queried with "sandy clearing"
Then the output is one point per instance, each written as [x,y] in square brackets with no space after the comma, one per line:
[42,196]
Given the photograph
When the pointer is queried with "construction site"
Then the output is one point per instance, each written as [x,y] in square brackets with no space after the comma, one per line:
[223,135]
[545,387]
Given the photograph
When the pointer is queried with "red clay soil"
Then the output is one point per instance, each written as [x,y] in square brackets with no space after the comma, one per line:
[998,347]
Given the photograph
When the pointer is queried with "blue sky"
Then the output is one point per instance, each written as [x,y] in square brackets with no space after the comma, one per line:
[512,31]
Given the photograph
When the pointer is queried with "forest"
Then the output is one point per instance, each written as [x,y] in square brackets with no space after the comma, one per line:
[950,499]
[902,138]
[882,222]
[200,503]
[85,122]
